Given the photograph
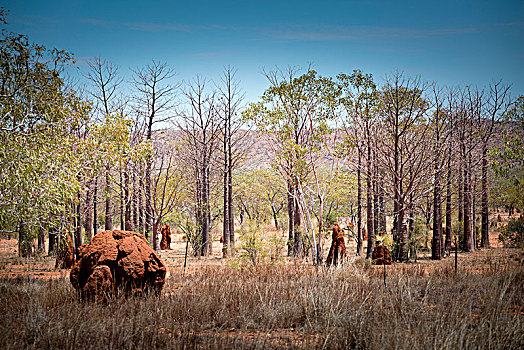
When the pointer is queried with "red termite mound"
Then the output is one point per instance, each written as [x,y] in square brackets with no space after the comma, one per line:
[381,255]
[338,246]
[117,261]
[165,243]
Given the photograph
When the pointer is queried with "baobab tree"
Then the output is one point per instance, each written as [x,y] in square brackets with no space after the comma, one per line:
[401,146]
[200,125]
[155,100]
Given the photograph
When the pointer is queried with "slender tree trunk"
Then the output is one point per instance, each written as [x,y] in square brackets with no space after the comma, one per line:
[78,222]
[25,246]
[461,194]
[128,222]
[402,235]
[95,203]
[141,219]
[109,209]
[52,240]
[231,213]
[397,221]
[381,207]
[448,210]
[468,235]
[274,211]
[206,217]
[369,208]
[474,211]
[41,241]
[136,224]
[155,237]
[226,250]
[149,207]
[298,246]
[291,218]
[436,242]
[359,206]
[89,213]
[376,209]
[122,210]
[484,241]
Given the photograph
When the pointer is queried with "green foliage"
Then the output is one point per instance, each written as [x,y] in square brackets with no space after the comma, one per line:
[512,234]
[39,122]
[295,114]
[508,159]
[385,240]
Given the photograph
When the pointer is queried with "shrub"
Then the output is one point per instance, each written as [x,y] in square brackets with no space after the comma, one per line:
[512,234]
[257,249]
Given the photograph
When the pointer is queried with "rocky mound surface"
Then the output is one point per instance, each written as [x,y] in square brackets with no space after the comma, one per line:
[338,251]
[114,262]
[165,243]
[381,255]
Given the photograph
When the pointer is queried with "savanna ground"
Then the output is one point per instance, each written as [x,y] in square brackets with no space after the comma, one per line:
[218,303]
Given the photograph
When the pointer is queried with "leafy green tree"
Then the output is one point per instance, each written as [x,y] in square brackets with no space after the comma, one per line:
[38,113]
[294,115]
[508,159]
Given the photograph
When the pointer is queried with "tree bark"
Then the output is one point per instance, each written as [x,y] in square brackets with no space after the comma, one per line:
[141,219]
[369,208]
[436,242]
[148,212]
[136,225]
[52,240]
[89,213]
[128,222]
[447,246]
[484,242]
[41,241]
[226,249]
[78,222]
[468,235]
[122,210]
[95,203]
[359,206]
[291,218]
[298,248]
[25,246]
[109,209]
[460,217]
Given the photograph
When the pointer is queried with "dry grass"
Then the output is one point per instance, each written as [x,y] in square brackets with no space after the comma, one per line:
[283,306]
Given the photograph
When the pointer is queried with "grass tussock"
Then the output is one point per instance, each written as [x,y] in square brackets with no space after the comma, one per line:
[277,307]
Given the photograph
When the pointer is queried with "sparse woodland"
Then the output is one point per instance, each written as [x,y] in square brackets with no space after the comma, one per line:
[420,166]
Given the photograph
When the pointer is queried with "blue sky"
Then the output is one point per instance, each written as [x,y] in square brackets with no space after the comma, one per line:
[450,41]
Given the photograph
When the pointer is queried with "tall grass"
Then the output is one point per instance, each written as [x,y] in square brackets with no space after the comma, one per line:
[277,307]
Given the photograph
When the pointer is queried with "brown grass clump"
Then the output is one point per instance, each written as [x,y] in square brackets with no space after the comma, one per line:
[285,306]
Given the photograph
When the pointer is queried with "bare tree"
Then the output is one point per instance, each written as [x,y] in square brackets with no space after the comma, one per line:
[497,105]
[167,183]
[401,148]
[359,100]
[228,108]
[106,82]
[155,99]
[200,125]
[439,124]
